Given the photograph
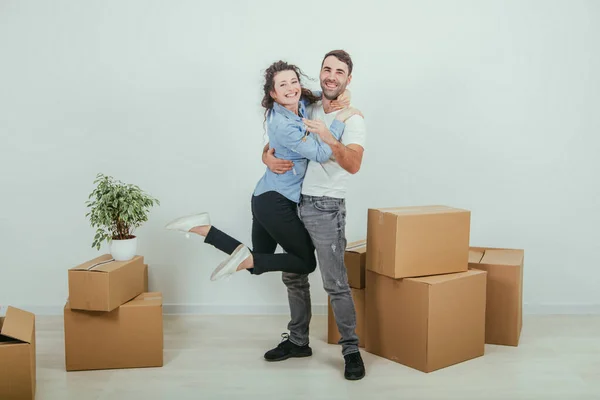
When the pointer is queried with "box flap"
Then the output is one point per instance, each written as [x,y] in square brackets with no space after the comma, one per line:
[435,279]
[104,263]
[94,264]
[18,324]
[503,257]
[359,246]
[433,209]
[475,256]
[145,299]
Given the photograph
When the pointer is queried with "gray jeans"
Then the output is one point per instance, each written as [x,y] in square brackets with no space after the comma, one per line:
[325,220]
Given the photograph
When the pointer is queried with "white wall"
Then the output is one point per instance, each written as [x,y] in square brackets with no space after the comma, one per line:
[491,106]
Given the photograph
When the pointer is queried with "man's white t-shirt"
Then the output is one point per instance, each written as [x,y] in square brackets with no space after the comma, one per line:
[328,178]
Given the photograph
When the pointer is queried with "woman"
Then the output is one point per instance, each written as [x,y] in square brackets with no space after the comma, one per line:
[274,202]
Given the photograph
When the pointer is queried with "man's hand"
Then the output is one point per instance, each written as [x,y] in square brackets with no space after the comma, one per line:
[275,164]
[319,127]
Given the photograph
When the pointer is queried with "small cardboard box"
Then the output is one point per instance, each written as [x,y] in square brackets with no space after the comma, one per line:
[426,323]
[103,284]
[418,241]
[355,259]
[130,336]
[333,334]
[504,305]
[17,355]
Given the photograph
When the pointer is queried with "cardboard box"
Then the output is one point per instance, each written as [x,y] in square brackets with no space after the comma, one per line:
[17,355]
[130,336]
[426,323]
[355,259]
[475,256]
[145,278]
[504,305]
[103,284]
[333,334]
[418,241]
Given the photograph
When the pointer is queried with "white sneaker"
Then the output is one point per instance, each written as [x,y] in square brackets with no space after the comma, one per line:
[231,264]
[188,222]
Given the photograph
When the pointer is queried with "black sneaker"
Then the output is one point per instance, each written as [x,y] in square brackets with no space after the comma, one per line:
[287,349]
[355,368]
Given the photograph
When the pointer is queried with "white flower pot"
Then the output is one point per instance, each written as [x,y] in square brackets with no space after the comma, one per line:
[123,250]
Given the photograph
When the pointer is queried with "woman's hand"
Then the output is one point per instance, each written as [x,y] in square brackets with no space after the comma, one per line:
[343,101]
[347,113]
[319,127]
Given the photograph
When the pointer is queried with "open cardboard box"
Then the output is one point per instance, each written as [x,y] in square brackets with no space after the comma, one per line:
[504,304]
[17,355]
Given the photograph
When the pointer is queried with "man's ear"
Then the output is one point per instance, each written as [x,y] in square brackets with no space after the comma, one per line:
[349,79]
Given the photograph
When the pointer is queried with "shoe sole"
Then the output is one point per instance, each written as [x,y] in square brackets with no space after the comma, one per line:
[175,225]
[231,263]
[354,378]
[289,356]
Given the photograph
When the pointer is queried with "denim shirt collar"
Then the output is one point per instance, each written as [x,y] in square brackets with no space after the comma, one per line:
[278,108]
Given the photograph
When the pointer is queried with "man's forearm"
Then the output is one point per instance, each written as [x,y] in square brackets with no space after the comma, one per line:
[347,158]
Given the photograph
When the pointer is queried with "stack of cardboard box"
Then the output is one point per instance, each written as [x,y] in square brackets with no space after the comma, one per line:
[431,301]
[110,319]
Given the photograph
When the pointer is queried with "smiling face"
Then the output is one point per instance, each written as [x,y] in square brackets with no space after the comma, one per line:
[334,77]
[286,88]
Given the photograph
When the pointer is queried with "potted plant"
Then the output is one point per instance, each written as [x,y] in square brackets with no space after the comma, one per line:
[116,209]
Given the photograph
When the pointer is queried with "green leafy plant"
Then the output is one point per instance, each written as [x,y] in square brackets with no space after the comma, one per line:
[116,209]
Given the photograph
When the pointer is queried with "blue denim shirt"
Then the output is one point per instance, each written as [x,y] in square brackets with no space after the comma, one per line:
[291,141]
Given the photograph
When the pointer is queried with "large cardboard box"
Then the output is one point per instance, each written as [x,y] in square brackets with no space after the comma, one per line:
[130,336]
[504,304]
[426,323]
[103,284]
[418,241]
[355,259]
[333,334]
[17,355]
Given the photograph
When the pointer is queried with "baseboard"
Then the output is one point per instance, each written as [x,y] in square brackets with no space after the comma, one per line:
[193,309]
[561,309]
[205,309]
[317,309]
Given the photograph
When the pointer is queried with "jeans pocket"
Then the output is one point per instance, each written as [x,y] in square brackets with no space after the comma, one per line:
[327,205]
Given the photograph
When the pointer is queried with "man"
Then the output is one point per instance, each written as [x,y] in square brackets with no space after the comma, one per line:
[323,212]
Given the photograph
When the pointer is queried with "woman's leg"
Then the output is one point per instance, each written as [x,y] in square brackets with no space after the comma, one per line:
[262,242]
[277,217]
[275,221]
[219,239]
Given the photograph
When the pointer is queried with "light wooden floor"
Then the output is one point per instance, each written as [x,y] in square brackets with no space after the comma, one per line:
[210,357]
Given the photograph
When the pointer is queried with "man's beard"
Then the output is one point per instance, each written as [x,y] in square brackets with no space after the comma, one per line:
[333,93]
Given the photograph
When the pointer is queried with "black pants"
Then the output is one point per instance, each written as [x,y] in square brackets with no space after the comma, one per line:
[274,221]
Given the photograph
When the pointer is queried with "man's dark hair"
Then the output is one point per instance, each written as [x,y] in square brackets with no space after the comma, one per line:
[341,55]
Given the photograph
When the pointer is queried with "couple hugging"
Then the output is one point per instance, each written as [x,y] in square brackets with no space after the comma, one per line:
[316,141]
